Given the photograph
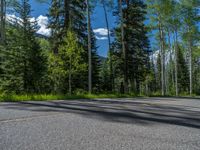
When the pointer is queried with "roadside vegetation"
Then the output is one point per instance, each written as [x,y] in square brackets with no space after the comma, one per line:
[153,50]
[49,97]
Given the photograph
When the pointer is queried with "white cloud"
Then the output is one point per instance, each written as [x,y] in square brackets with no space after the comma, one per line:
[101,33]
[41,20]
[101,38]
[42,23]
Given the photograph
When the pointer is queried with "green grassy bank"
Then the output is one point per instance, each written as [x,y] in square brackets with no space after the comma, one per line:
[48,97]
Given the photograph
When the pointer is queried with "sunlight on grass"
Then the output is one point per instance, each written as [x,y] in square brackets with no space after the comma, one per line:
[48,97]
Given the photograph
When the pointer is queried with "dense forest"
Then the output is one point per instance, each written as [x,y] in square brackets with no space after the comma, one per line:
[154,49]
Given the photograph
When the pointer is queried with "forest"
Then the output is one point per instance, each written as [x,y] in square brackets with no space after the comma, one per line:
[153,50]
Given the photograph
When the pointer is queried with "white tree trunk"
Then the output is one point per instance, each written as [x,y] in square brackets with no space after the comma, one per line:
[190,64]
[176,63]
[190,69]
[171,60]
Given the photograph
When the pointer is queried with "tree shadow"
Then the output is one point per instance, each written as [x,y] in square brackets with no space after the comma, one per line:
[131,112]
[177,97]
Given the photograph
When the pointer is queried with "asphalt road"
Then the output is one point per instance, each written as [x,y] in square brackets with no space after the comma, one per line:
[119,124]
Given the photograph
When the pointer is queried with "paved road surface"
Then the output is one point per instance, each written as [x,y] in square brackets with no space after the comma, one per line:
[119,124]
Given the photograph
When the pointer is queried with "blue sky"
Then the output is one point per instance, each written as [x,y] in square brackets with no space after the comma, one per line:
[98,23]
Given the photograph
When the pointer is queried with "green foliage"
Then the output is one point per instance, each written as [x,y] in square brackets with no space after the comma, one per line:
[67,63]
[24,64]
[158,76]
[49,97]
[178,21]
[71,52]
[196,68]
[58,64]
[183,75]
[105,76]
[73,16]
[96,65]
[136,45]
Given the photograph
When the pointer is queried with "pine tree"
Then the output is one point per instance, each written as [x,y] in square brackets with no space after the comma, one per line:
[96,65]
[104,76]
[158,64]
[124,51]
[65,14]
[183,76]
[136,43]
[24,65]
[75,17]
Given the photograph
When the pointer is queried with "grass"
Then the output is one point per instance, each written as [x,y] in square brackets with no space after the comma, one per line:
[48,97]
[172,94]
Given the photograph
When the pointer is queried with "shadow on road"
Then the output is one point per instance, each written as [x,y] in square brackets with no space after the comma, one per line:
[140,112]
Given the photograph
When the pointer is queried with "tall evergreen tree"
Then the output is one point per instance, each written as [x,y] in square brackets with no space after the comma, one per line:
[96,65]
[136,42]
[24,65]
[64,14]
[183,76]
[71,13]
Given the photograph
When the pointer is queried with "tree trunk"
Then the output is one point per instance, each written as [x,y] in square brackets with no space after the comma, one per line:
[2,21]
[89,49]
[162,59]
[171,60]
[70,76]
[190,65]
[176,62]
[123,48]
[190,68]
[109,46]
[67,17]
